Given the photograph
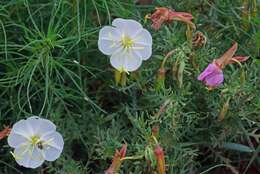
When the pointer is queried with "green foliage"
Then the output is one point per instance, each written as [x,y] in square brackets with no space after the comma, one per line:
[50,66]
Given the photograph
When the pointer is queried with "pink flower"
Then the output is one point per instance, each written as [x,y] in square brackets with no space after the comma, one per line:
[213,75]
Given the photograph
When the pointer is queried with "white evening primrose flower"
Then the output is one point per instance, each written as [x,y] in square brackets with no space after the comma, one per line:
[127,42]
[35,140]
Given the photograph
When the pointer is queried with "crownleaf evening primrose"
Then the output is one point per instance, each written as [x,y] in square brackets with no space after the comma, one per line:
[213,75]
[127,42]
[35,140]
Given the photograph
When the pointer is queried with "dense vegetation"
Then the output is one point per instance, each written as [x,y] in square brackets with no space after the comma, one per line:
[50,66]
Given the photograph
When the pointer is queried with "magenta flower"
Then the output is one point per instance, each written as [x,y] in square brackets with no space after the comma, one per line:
[212,76]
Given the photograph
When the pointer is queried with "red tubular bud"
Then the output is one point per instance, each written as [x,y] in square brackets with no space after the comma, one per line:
[158,151]
[160,78]
[117,160]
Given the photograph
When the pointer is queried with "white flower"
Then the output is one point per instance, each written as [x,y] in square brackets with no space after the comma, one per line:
[127,42]
[35,140]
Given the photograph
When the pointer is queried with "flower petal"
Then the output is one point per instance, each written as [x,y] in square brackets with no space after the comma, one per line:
[28,157]
[22,128]
[54,139]
[143,44]
[227,56]
[128,26]
[144,37]
[51,153]
[15,140]
[109,38]
[145,51]
[41,126]
[126,61]
[210,69]
[214,80]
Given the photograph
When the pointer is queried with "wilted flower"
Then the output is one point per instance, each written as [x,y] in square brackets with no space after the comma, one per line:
[158,151]
[5,132]
[117,160]
[199,39]
[213,75]
[127,42]
[35,140]
[165,15]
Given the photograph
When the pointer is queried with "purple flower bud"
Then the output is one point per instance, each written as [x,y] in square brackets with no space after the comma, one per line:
[212,76]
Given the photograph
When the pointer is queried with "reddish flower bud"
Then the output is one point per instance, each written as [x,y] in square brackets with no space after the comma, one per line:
[5,132]
[155,130]
[117,160]
[160,81]
[158,151]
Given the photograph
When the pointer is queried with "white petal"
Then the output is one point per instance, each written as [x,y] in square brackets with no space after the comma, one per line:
[133,61]
[144,50]
[109,38]
[40,126]
[51,153]
[126,60]
[127,26]
[15,140]
[30,158]
[144,38]
[22,128]
[54,140]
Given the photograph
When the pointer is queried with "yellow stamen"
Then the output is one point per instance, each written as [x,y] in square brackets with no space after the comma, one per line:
[34,140]
[127,42]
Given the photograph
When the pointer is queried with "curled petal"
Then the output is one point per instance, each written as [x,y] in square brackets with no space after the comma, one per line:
[165,15]
[239,59]
[227,56]
[183,17]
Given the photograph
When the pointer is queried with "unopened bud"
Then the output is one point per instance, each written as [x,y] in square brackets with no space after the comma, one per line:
[223,111]
[155,131]
[180,73]
[117,160]
[160,81]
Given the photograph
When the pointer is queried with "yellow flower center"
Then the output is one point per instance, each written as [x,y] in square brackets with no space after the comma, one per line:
[127,42]
[35,140]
